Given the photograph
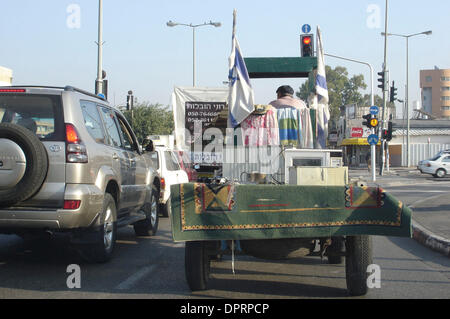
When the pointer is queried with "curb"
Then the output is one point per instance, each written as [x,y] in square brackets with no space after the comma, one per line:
[431,240]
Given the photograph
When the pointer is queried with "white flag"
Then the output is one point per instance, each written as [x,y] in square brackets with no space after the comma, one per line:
[321,78]
[241,97]
[322,110]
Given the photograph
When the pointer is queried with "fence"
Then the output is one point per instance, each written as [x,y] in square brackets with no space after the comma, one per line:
[420,152]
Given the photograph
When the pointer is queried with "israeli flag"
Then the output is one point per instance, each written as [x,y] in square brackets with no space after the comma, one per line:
[321,79]
[322,110]
[241,96]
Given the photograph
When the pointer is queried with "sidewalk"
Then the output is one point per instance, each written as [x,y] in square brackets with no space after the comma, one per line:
[431,223]
[431,217]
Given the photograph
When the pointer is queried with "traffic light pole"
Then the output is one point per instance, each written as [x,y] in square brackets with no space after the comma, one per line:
[385,97]
[372,101]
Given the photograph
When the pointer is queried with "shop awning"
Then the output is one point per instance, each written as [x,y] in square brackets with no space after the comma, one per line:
[356,142]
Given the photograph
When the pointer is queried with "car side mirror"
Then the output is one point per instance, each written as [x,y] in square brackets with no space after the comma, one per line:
[149,147]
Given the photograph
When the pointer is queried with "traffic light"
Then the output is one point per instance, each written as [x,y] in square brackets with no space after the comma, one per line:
[382,80]
[387,133]
[307,45]
[393,93]
[371,121]
[130,102]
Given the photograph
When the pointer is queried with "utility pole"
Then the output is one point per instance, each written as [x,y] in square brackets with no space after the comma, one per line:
[99,81]
[372,103]
[174,24]
[385,68]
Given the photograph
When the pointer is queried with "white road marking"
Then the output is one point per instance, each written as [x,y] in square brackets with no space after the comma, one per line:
[133,279]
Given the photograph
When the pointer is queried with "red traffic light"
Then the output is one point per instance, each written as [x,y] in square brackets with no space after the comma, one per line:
[307,45]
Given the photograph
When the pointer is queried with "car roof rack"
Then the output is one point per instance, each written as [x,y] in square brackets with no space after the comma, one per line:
[74,89]
[66,88]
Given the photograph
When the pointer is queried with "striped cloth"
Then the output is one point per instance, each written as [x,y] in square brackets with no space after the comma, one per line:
[289,123]
[261,129]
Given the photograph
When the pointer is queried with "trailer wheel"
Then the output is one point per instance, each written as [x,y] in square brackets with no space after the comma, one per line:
[335,251]
[358,258]
[197,265]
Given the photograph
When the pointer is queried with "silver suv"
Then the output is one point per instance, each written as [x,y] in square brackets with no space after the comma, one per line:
[71,163]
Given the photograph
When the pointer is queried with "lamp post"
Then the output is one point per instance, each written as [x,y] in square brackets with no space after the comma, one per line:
[99,80]
[408,162]
[174,24]
[372,103]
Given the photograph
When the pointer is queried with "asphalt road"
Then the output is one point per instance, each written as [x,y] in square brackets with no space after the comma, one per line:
[154,268]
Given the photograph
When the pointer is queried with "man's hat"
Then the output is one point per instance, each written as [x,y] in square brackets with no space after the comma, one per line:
[285,89]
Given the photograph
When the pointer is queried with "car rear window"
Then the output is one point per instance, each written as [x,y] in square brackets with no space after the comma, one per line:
[41,114]
[171,161]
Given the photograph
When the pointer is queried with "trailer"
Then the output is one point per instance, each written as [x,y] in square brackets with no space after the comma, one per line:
[321,215]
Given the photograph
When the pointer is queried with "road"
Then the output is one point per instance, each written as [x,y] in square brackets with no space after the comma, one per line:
[154,268]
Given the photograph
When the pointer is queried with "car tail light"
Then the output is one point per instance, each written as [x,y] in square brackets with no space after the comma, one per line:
[72,204]
[428,165]
[76,150]
[12,90]
[163,183]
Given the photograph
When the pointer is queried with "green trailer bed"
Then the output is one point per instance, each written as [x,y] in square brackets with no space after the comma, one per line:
[202,212]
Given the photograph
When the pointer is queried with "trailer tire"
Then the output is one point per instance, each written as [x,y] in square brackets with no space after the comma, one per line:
[358,258]
[337,247]
[197,265]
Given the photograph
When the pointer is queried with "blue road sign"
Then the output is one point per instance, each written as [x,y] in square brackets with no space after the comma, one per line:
[373,139]
[306,28]
[374,110]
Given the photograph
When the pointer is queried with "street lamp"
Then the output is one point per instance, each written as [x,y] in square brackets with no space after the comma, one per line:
[372,103]
[174,24]
[407,84]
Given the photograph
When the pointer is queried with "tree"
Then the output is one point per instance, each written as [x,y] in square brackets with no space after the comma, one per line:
[342,90]
[150,119]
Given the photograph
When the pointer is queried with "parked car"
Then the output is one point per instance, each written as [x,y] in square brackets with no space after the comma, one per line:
[438,166]
[168,168]
[70,163]
[187,165]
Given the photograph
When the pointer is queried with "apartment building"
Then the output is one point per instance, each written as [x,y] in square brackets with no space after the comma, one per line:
[435,85]
[6,76]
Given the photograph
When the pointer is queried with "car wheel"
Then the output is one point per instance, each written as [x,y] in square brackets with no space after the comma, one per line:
[440,173]
[101,250]
[149,226]
[24,165]
[165,209]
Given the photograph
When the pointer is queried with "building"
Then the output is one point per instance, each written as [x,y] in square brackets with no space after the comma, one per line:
[435,85]
[352,134]
[426,138]
[6,76]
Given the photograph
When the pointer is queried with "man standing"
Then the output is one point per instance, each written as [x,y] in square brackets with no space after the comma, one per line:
[285,98]
[294,119]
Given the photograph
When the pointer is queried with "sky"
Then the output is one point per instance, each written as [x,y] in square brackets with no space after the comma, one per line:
[48,42]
